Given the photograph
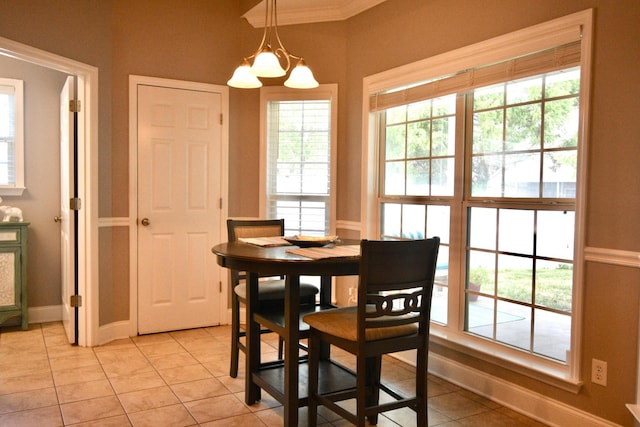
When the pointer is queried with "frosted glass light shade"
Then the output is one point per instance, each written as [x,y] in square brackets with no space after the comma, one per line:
[243,79]
[267,64]
[301,77]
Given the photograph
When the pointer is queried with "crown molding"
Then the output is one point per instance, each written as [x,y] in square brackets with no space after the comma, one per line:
[309,11]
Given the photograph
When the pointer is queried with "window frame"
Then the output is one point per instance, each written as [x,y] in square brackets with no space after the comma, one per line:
[281,93]
[19,186]
[577,26]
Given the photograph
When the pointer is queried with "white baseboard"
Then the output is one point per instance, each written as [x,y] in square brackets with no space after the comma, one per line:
[520,399]
[44,314]
[53,313]
[114,331]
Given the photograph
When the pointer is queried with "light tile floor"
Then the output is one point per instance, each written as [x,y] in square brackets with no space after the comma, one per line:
[179,379]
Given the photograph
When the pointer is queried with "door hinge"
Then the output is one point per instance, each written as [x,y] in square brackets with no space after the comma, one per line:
[220,202]
[220,286]
[76,301]
[221,119]
[75,204]
[75,105]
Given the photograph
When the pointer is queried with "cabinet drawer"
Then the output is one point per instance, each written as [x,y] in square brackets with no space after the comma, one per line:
[9,235]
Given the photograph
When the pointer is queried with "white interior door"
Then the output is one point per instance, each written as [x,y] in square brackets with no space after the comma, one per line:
[66,218]
[179,145]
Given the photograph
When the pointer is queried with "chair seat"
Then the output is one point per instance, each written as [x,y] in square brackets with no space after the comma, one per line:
[273,290]
[341,322]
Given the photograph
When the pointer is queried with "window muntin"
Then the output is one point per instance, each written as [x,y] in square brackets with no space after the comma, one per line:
[11,137]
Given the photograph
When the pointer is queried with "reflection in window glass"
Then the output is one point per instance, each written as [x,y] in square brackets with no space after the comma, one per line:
[483,228]
[413,221]
[391,219]
[515,233]
[419,148]
[512,136]
[530,271]
[555,234]
[394,179]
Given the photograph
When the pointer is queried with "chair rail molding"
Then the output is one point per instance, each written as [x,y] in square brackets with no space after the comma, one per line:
[612,256]
[114,222]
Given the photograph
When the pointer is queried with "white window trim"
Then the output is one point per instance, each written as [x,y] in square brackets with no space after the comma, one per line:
[539,37]
[281,93]
[18,188]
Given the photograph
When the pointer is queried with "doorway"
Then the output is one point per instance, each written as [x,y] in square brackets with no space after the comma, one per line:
[179,145]
[87,142]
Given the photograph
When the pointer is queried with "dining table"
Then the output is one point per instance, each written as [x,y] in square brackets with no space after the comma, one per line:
[282,379]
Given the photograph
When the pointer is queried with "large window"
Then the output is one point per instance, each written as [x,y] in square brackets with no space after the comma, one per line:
[299,147]
[486,152]
[11,137]
[521,212]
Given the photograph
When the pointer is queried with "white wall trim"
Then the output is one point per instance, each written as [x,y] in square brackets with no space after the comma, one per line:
[306,12]
[113,222]
[348,225]
[114,331]
[612,256]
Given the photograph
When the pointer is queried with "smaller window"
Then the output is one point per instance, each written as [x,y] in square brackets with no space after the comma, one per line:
[299,150]
[11,137]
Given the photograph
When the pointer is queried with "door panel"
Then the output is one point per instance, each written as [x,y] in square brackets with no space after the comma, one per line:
[179,140]
[66,219]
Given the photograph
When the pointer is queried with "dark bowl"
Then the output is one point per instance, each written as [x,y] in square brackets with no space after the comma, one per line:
[314,243]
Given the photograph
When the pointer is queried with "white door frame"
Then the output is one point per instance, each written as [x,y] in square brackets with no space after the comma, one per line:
[87,75]
[134,81]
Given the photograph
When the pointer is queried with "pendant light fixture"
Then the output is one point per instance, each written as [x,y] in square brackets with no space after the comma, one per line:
[266,60]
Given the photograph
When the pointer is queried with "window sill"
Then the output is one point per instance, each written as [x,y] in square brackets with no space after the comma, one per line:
[11,191]
[537,368]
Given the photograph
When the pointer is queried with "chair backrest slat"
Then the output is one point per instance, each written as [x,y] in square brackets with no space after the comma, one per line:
[243,228]
[237,228]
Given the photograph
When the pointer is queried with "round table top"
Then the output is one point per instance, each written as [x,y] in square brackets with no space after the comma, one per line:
[276,260]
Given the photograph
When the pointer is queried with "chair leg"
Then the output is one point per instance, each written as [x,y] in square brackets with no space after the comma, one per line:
[373,372]
[313,364]
[361,390]
[280,347]
[235,335]
[421,388]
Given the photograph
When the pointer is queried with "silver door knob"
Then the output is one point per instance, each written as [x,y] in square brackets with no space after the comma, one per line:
[145,222]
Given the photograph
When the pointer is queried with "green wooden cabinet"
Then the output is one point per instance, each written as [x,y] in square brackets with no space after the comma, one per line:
[13,274]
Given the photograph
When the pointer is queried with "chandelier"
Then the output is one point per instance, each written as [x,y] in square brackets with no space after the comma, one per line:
[266,60]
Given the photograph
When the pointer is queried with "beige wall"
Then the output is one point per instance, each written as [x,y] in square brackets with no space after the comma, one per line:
[611,293]
[201,40]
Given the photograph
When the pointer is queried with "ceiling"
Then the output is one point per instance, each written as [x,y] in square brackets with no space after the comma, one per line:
[308,11]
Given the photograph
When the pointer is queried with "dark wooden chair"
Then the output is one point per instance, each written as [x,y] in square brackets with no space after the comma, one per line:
[270,290]
[393,314]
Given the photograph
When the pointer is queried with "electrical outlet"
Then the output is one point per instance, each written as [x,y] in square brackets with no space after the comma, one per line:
[598,372]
